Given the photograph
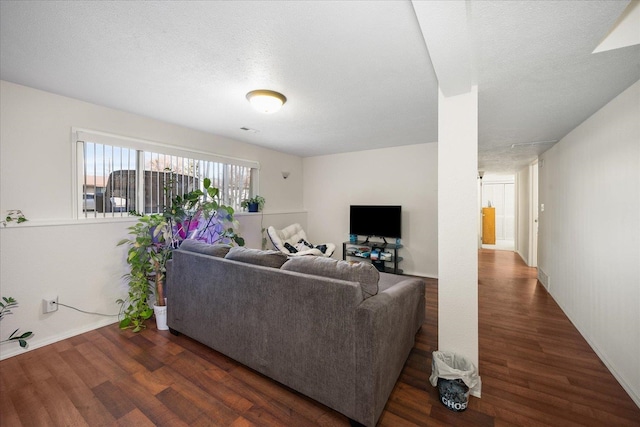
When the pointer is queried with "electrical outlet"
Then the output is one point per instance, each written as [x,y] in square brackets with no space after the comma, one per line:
[49,305]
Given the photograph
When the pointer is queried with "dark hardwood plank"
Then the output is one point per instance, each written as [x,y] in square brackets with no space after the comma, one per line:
[100,362]
[79,393]
[181,406]
[292,407]
[199,398]
[144,396]
[116,402]
[81,367]
[8,414]
[135,418]
[62,410]
[35,370]
[536,370]
[12,375]
[29,407]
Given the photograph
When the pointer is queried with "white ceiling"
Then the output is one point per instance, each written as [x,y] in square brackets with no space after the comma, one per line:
[357,74]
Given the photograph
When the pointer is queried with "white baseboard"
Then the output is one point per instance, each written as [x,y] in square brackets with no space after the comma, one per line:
[625,385]
[34,344]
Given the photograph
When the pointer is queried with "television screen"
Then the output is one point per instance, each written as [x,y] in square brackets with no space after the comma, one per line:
[376,220]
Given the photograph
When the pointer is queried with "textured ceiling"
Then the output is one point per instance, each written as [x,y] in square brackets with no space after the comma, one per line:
[357,75]
[537,77]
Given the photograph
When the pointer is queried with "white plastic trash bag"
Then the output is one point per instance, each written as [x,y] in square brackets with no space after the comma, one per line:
[454,376]
[450,366]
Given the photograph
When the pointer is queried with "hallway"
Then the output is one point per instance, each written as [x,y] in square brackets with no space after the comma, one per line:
[536,369]
[535,366]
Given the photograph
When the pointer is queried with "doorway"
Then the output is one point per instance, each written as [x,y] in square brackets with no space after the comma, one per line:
[498,203]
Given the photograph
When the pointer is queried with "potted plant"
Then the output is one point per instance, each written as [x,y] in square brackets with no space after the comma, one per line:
[14,215]
[5,308]
[254,204]
[147,248]
[194,215]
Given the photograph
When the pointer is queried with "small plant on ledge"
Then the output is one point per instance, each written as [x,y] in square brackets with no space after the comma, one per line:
[14,215]
[254,204]
[5,309]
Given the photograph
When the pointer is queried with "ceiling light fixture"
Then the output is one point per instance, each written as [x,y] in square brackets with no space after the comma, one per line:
[266,101]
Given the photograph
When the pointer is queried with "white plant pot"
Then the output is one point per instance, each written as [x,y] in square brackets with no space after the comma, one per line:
[161,317]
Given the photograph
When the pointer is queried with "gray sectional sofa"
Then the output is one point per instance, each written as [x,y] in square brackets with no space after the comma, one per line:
[335,331]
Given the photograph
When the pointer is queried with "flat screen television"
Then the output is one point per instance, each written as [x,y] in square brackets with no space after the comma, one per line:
[376,220]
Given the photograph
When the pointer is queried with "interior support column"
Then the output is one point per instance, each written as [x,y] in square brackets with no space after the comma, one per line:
[458,225]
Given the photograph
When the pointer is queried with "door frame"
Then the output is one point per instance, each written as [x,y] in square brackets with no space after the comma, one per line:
[533,215]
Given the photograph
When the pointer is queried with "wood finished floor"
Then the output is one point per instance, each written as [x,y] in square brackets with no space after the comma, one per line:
[536,370]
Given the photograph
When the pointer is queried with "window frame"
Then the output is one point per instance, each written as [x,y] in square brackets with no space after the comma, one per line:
[140,146]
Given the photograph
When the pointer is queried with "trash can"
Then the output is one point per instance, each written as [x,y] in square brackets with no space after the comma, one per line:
[454,375]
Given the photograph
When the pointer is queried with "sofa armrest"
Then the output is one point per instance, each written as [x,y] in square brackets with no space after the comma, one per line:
[386,325]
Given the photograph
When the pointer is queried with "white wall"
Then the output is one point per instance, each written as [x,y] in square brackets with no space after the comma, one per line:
[589,234]
[405,175]
[78,260]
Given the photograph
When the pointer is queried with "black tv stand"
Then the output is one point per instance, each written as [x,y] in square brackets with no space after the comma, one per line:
[361,250]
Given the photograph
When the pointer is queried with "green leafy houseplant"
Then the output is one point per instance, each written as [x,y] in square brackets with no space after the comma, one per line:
[14,215]
[194,215]
[146,252]
[5,308]
[255,200]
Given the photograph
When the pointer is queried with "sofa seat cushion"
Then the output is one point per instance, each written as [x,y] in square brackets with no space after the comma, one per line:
[218,250]
[364,273]
[267,258]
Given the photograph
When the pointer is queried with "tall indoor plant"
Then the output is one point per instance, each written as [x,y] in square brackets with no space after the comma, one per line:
[195,215]
[147,248]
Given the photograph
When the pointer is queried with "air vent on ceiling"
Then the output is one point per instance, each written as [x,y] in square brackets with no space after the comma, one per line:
[246,129]
[528,144]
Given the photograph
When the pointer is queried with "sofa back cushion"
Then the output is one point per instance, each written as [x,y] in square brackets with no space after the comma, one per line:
[362,272]
[268,258]
[219,250]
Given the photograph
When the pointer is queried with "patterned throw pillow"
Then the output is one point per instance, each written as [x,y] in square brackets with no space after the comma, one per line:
[290,248]
[305,243]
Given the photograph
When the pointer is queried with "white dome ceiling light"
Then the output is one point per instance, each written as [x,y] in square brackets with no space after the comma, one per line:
[266,101]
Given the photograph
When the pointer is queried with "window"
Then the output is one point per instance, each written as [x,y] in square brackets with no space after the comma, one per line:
[116,175]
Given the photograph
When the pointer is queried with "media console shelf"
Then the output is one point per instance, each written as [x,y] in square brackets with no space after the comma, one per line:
[387,254]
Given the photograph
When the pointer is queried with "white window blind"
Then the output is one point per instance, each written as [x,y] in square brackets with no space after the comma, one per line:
[116,175]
